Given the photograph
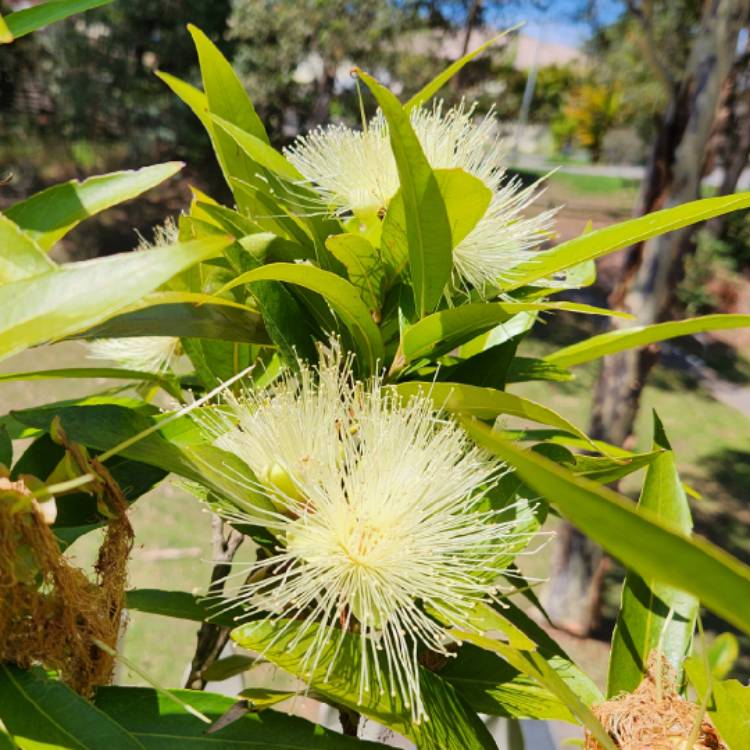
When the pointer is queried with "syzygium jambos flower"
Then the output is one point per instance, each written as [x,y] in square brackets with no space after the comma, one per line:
[380,514]
[354,171]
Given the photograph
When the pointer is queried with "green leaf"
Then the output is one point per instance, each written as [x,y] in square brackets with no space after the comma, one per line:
[79,295]
[6,36]
[340,295]
[107,426]
[168,384]
[628,338]
[6,447]
[603,241]
[488,369]
[230,666]
[49,215]
[491,685]
[363,266]
[451,726]
[636,537]
[485,403]
[723,654]
[199,316]
[259,150]
[25,21]
[427,92]
[21,256]
[428,229]
[159,723]
[445,330]
[523,369]
[654,615]
[42,713]
[178,604]
[729,707]
[540,668]
[225,93]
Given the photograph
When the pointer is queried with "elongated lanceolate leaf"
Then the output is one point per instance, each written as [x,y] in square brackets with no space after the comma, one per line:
[25,21]
[20,256]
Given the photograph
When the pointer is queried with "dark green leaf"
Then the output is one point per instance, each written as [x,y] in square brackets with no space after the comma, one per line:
[654,615]
[180,605]
[6,447]
[42,713]
[161,724]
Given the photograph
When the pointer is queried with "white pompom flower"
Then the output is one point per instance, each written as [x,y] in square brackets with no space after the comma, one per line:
[381,519]
[354,171]
[142,353]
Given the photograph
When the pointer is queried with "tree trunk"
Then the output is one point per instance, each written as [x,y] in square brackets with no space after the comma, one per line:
[647,286]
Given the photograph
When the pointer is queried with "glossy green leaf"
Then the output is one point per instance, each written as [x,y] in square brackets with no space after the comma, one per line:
[485,403]
[452,725]
[443,331]
[603,241]
[21,257]
[488,368]
[79,295]
[230,666]
[43,713]
[168,384]
[159,723]
[427,92]
[728,706]
[363,267]
[49,215]
[190,95]
[428,229]
[25,21]
[654,615]
[164,314]
[339,293]
[640,540]
[723,654]
[607,469]
[629,338]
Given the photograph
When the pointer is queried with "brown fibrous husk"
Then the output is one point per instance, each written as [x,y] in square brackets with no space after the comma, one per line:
[654,716]
[51,613]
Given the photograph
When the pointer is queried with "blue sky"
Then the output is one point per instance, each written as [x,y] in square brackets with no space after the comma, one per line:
[557,20]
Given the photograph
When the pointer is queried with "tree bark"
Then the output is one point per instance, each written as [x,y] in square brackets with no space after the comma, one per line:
[647,286]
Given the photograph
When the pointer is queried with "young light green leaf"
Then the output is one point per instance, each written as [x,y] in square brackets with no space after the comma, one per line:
[43,713]
[452,725]
[362,264]
[654,615]
[729,707]
[259,150]
[49,215]
[427,92]
[159,723]
[603,241]
[636,537]
[226,95]
[79,295]
[339,293]
[443,331]
[629,338]
[6,36]
[428,229]
[25,21]
[21,257]
[485,403]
